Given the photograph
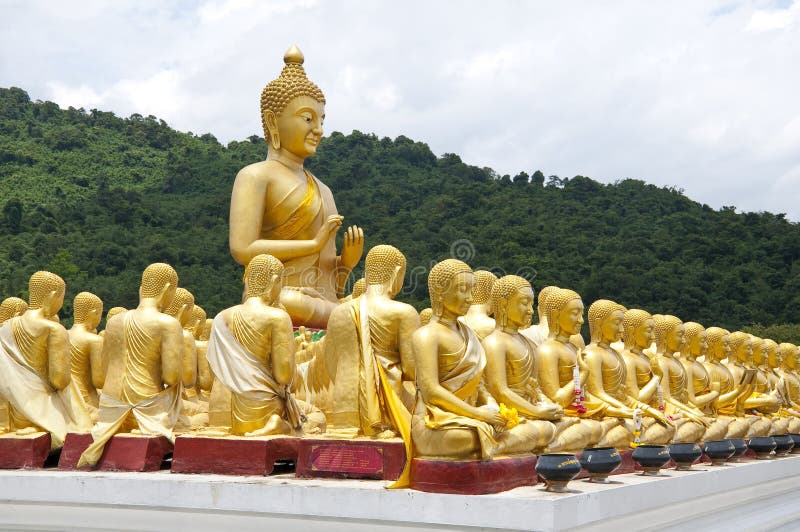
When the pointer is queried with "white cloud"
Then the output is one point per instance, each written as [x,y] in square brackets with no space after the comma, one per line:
[700,95]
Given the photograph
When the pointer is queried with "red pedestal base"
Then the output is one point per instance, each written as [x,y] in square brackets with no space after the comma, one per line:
[473,477]
[74,445]
[231,456]
[375,459]
[24,452]
[124,452]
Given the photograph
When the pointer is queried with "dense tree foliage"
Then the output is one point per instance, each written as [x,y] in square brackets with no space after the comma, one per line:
[95,198]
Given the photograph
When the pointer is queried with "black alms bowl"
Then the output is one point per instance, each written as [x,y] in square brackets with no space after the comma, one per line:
[557,470]
[796,440]
[739,448]
[783,444]
[762,446]
[600,462]
[685,454]
[718,451]
[651,457]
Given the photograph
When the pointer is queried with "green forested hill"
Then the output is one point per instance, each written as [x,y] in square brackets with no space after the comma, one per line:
[95,198]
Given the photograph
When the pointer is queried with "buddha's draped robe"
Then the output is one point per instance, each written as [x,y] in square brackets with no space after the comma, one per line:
[24,385]
[155,415]
[255,394]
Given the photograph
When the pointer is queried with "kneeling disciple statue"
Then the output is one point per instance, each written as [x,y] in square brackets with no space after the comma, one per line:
[368,352]
[35,374]
[143,348]
[450,420]
[251,353]
[86,349]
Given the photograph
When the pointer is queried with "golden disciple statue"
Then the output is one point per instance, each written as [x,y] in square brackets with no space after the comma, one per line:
[539,332]
[251,353]
[772,362]
[730,389]
[451,419]
[478,316]
[143,350]
[741,345]
[35,376]
[368,351]
[11,307]
[511,370]
[790,385]
[86,349]
[607,382]
[202,331]
[670,337]
[562,373]
[279,208]
[181,309]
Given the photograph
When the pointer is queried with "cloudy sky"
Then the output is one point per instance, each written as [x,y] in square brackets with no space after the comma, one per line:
[701,95]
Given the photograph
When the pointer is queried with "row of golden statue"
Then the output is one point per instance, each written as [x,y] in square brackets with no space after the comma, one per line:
[468,379]
[474,382]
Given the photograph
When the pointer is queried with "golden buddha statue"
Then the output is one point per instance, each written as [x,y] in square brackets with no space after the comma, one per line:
[450,419]
[562,373]
[86,349]
[368,352]
[539,332]
[202,331]
[741,345]
[790,385]
[144,352]
[607,382]
[35,377]
[670,337]
[478,315]
[251,353]
[731,391]
[278,207]
[772,363]
[701,391]
[181,309]
[511,369]
[113,311]
[12,307]
[425,316]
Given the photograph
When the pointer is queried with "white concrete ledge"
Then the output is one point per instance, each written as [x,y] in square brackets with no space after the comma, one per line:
[752,495]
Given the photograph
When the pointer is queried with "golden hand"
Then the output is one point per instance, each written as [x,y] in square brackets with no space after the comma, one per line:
[353,247]
[327,230]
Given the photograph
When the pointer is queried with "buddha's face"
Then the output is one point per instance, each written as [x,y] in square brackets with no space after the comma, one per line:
[675,338]
[643,334]
[300,126]
[773,357]
[758,352]
[94,317]
[397,285]
[169,295]
[611,328]
[745,351]
[570,318]
[458,298]
[54,303]
[519,311]
[698,344]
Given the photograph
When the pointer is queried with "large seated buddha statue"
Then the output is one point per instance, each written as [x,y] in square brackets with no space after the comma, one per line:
[144,351]
[279,208]
[86,349]
[251,353]
[452,419]
[511,370]
[608,377]
[368,353]
[670,336]
[35,378]
[478,317]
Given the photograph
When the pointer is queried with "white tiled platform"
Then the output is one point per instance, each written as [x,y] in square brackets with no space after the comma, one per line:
[754,495]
